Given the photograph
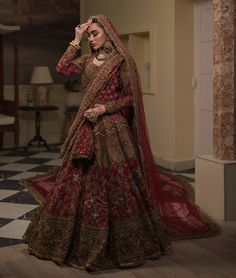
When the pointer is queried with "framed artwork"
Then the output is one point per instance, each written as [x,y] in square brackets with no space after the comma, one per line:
[47,27]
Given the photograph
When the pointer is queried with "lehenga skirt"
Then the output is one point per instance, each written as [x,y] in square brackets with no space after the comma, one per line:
[102,216]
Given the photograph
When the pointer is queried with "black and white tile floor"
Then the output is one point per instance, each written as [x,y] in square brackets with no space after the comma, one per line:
[16,204]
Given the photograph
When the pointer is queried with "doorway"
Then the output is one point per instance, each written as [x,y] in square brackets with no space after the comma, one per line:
[203,76]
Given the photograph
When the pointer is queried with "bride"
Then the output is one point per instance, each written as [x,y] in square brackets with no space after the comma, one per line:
[108,206]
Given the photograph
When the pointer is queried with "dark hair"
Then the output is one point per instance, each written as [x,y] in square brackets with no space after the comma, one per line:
[95,20]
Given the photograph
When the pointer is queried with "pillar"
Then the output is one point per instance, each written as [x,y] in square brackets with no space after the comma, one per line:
[216,174]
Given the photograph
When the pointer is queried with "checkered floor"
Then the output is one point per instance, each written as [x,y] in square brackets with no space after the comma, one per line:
[16,204]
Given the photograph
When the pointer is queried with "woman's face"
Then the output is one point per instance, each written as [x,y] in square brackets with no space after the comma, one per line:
[96,36]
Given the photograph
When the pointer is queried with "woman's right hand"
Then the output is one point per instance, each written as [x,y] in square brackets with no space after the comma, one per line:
[93,113]
[79,30]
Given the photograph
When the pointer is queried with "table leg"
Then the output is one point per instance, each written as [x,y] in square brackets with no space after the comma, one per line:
[38,138]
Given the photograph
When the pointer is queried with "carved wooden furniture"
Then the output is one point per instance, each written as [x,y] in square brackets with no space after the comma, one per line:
[38,140]
[9,121]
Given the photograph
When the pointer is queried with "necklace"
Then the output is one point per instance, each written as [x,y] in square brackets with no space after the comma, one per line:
[101,57]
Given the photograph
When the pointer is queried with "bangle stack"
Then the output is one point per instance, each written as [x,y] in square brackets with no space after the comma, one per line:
[77,46]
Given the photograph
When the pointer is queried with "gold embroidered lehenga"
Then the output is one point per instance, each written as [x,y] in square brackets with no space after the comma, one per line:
[107,206]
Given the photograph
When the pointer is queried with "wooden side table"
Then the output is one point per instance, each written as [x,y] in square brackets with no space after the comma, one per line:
[41,142]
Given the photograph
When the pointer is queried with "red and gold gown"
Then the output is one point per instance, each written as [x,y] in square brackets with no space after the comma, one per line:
[96,211]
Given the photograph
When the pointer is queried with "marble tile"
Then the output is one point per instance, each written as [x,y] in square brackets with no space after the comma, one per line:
[17,206]
[14,229]
[24,175]
[7,193]
[9,241]
[11,185]
[50,155]
[34,160]
[55,150]
[9,159]
[8,174]
[22,197]
[17,167]
[43,168]
[11,210]
[54,162]
[4,221]
[21,153]
[29,215]
[34,149]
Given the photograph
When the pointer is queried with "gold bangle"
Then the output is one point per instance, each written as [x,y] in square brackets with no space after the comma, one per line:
[77,46]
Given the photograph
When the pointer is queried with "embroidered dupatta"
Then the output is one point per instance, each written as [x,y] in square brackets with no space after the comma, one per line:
[171,196]
[91,94]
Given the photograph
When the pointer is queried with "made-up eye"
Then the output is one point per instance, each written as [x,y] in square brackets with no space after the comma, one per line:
[95,33]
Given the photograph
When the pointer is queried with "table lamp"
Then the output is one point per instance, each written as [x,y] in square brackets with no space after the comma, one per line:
[41,76]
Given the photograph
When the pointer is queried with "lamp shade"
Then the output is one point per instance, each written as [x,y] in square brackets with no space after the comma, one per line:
[41,75]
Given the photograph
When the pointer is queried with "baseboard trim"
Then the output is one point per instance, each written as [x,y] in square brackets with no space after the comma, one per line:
[175,165]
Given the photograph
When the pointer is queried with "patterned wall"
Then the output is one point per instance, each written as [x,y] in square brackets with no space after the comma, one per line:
[224,79]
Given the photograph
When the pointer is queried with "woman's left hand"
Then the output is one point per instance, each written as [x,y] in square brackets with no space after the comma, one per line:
[92,113]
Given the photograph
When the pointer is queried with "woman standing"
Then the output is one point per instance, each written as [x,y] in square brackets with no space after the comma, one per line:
[107,206]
